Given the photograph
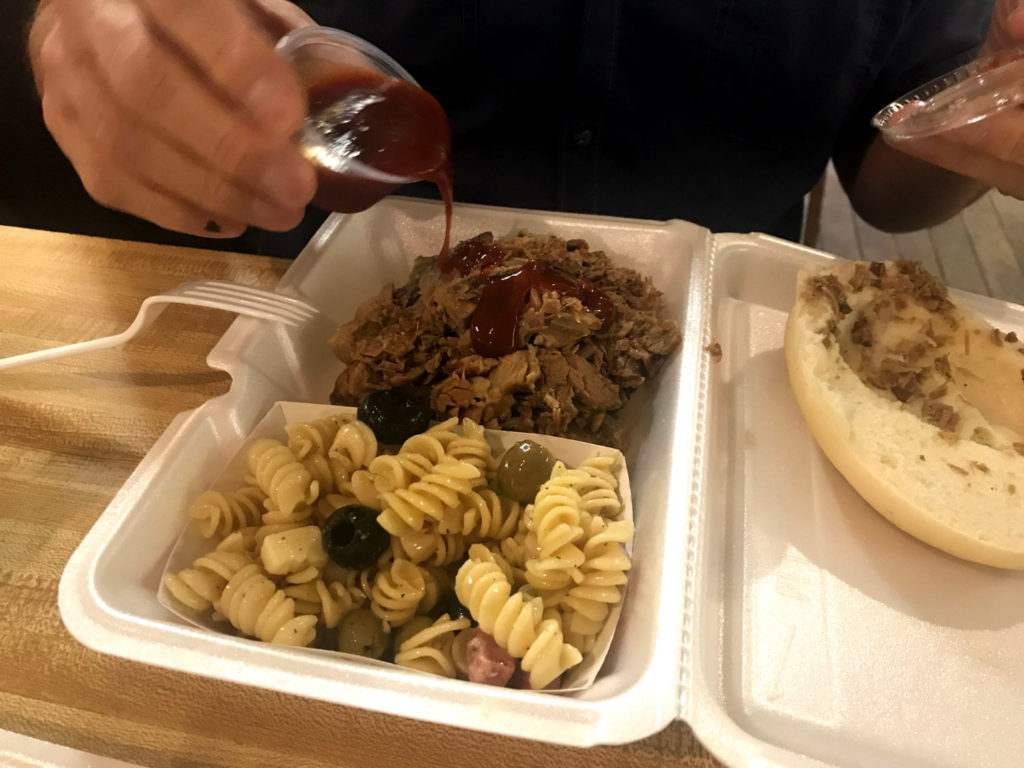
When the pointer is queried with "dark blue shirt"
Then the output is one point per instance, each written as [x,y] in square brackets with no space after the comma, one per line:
[722,112]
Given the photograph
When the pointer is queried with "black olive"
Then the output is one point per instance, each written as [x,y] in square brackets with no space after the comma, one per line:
[393,416]
[450,604]
[524,468]
[353,538]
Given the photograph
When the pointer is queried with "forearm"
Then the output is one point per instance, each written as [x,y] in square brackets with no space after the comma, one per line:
[898,193]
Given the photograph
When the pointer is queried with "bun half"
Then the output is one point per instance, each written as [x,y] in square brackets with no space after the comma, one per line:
[917,402]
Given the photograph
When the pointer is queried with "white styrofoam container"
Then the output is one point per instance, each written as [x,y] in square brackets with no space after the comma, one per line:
[768,605]
[108,590]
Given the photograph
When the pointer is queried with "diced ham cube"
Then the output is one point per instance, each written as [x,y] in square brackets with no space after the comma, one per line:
[489,663]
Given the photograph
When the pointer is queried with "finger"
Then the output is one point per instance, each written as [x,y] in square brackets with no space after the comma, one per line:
[41,35]
[278,17]
[965,159]
[110,186]
[226,45]
[142,154]
[1000,135]
[159,90]
[1014,24]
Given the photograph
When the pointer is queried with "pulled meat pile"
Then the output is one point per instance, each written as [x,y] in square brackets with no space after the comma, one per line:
[567,375]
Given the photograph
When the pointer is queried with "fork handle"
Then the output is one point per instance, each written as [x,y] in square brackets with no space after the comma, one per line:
[147,313]
[65,351]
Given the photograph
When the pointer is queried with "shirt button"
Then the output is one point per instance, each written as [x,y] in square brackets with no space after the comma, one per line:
[582,138]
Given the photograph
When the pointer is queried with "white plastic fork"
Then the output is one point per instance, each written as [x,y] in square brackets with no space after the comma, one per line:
[218,294]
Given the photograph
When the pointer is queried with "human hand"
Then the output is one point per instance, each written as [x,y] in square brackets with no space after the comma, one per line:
[991,150]
[176,111]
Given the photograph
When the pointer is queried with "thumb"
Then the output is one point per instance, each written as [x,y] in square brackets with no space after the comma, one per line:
[1007,27]
[1014,24]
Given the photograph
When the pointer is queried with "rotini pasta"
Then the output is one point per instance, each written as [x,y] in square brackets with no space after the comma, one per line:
[489,516]
[439,490]
[554,515]
[242,540]
[599,492]
[314,437]
[444,432]
[256,607]
[434,548]
[549,655]
[354,446]
[472,447]
[430,650]
[218,514]
[277,516]
[393,472]
[201,586]
[320,470]
[603,572]
[401,590]
[329,601]
[286,482]
[365,490]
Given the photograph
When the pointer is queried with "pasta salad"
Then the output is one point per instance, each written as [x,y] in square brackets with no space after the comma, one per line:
[441,551]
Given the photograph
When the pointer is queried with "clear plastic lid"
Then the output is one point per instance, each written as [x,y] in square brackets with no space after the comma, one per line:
[966,95]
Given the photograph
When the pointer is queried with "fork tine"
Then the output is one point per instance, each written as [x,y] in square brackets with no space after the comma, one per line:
[240,288]
[283,305]
[235,289]
[245,306]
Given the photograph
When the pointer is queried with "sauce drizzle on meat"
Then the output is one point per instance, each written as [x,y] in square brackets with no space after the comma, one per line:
[494,326]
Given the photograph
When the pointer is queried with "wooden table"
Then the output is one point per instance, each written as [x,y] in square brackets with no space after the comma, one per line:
[71,431]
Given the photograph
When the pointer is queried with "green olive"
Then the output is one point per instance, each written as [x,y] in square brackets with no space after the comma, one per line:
[523,469]
[362,633]
[410,628]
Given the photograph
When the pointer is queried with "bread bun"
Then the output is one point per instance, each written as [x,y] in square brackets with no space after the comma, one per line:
[918,402]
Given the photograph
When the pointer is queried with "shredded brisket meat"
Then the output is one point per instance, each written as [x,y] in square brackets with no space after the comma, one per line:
[568,376]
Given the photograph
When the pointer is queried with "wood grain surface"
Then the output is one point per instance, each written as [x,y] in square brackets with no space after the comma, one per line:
[71,431]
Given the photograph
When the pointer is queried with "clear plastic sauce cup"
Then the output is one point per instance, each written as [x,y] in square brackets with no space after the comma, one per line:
[370,128]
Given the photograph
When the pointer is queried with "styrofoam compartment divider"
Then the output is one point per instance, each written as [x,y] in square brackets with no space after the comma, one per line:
[768,605]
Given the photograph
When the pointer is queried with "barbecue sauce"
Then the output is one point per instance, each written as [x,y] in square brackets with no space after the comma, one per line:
[494,325]
[472,254]
[385,123]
